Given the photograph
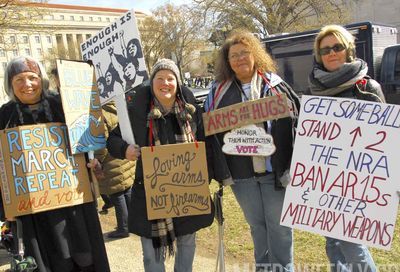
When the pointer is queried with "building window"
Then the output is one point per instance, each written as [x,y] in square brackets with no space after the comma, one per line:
[15,52]
[24,39]
[91,18]
[108,19]
[48,38]
[51,17]
[62,17]
[37,39]
[72,18]
[12,39]
[2,53]
[27,51]
[4,64]
[99,19]
[81,18]
[39,51]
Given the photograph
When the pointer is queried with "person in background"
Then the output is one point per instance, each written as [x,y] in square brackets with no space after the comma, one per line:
[244,72]
[106,199]
[66,239]
[117,178]
[338,73]
[165,112]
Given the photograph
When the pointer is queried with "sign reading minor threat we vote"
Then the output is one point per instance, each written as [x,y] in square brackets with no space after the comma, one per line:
[176,180]
[344,170]
[81,105]
[38,171]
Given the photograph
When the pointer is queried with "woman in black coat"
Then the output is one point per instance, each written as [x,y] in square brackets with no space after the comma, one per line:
[165,103]
[66,239]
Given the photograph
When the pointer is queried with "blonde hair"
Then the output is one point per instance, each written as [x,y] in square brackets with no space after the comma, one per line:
[343,36]
[262,60]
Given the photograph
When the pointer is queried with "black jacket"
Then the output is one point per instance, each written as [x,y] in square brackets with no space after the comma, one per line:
[282,131]
[54,237]
[138,110]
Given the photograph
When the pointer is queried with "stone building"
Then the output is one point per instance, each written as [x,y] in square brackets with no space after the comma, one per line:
[58,33]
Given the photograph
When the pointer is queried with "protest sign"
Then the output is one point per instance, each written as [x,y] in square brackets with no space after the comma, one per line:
[38,171]
[249,112]
[176,180]
[249,140]
[117,54]
[81,106]
[344,173]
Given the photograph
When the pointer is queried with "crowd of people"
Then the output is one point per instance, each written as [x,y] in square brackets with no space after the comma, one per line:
[164,112]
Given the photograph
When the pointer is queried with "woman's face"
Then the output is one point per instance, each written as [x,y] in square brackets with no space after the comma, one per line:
[27,87]
[332,60]
[130,71]
[132,49]
[100,86]
[241,61]
[164,86]
[108,78]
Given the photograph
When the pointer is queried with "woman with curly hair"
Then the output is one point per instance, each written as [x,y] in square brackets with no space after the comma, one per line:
[244,71]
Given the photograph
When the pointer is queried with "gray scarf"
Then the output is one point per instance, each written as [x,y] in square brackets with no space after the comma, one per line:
[326,83]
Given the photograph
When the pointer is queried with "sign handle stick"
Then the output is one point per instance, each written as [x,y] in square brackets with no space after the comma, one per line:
[94,185]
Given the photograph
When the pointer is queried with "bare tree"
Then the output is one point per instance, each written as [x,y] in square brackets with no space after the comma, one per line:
[17,16]
[174,32]
[273,16]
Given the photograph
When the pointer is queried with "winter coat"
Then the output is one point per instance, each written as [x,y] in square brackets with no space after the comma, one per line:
[282,131]
[54,237]
[370,91]
[138,110]
[118,174]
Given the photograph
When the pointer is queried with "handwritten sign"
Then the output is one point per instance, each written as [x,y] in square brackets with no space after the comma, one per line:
[176,180]
[116,53]
[344,171]
[249,140]
[38,172]
[249,112]
[81,106]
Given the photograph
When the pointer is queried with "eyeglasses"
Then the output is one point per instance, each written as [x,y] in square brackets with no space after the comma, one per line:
[326,50]
[236,56]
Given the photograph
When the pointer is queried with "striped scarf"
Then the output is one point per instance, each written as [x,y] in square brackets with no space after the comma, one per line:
[162,230]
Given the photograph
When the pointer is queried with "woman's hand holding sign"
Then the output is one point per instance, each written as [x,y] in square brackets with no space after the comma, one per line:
[132,153]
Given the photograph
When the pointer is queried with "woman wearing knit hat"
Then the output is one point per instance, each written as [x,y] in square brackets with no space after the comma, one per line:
[66,239]
[176,118]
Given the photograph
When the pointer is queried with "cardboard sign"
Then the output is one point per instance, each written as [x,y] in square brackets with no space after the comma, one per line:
[117,55]
[249,112]
[344,171]
[249,140]
[38,172]
[176,180]
[81,106]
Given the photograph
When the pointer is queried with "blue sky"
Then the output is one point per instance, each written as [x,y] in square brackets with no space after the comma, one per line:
[144,5]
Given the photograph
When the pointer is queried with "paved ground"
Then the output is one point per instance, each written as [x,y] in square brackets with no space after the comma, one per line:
[125,254]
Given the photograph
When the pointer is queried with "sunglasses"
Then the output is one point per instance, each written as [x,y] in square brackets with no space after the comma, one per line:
[326,50]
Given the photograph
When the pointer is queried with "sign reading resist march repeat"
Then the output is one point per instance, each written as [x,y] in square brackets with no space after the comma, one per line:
[176,180]
[344,171]
[38,171]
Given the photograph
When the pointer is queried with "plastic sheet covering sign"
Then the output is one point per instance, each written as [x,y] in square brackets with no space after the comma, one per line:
[245,113]
[38,171]
[81,106]
[176,180]
[345,170]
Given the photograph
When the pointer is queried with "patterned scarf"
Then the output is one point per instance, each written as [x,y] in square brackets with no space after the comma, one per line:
[326,83]
[162,230]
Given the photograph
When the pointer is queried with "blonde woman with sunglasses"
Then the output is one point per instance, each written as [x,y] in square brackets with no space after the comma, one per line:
[337,72]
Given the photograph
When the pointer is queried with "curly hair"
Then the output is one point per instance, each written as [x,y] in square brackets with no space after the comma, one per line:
[343,36]
[263,62]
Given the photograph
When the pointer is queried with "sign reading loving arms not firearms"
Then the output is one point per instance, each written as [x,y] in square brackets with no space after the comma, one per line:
[344,170]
